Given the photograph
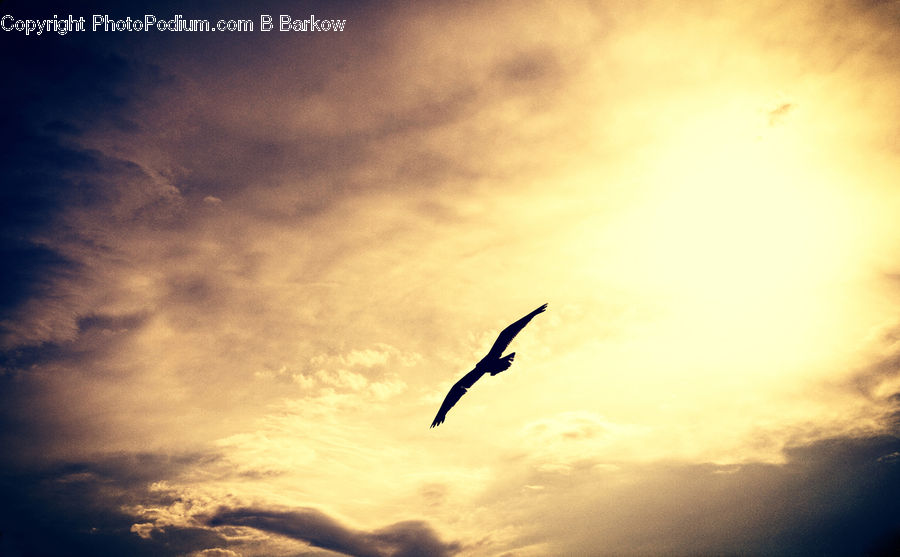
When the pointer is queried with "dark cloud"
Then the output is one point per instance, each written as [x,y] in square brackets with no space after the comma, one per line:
[77,509]
[833,497]
[29,270]
[403,539]
[63,87]
[534,68]
[32,195]
[31,422]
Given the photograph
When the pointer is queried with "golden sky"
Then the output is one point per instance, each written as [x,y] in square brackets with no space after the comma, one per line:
[247,268]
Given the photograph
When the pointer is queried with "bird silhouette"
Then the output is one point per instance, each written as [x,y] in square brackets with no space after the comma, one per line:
[493,363]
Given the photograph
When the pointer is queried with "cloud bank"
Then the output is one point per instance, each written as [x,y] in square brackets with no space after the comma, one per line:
[241,270]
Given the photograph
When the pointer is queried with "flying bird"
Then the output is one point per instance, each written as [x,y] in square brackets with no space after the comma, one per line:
[493,363]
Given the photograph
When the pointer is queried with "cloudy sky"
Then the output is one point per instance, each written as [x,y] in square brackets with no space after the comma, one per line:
[241,270]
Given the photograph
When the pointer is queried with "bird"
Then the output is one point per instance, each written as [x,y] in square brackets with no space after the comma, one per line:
[492,363]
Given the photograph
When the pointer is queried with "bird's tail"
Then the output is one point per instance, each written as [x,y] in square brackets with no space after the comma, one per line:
[504,363]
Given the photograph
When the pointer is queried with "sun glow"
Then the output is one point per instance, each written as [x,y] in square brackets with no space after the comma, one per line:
[744,235]
[740,257]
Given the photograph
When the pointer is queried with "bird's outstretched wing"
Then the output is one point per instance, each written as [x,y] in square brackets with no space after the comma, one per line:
[508,334]
[456,393]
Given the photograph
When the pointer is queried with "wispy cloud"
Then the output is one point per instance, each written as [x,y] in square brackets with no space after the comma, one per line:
[777,114]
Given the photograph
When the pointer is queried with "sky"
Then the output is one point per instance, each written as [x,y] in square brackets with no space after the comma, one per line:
[242,269]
